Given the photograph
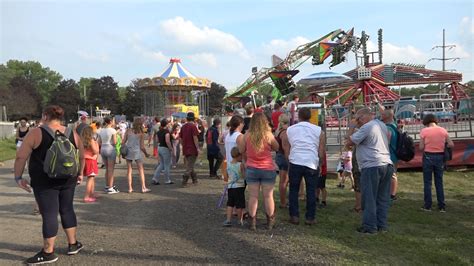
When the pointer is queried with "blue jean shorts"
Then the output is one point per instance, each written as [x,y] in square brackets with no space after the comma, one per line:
[259,176]
[281,162]
[108,152]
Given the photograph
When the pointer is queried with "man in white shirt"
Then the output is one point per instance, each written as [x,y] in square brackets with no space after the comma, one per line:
[307,144]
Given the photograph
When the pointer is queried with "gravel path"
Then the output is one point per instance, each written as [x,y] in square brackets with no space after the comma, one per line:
[169,225]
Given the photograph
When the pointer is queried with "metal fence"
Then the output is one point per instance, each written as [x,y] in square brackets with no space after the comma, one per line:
[455,116]
[7,130]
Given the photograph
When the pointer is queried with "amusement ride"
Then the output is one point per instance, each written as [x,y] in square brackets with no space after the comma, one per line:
[368,84]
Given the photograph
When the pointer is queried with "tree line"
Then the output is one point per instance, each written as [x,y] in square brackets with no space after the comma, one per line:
[27,87]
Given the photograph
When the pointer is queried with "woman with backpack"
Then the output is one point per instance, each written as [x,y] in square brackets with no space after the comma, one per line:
[134,139]
[53,195]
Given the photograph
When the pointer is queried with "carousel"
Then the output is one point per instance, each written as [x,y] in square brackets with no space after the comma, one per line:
[174,92]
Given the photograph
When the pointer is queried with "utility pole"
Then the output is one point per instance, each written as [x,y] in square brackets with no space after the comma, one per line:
[444,59]
[444,46]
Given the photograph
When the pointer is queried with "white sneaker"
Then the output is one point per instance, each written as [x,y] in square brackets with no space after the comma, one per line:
[112,190]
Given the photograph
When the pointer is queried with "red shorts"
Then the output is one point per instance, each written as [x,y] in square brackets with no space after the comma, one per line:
[91,168]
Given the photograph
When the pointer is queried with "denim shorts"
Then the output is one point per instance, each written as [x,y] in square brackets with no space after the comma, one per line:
[260,176]
[108,152]
[281,162]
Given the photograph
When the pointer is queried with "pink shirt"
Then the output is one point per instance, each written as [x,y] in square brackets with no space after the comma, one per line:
[260,160]
[434,138]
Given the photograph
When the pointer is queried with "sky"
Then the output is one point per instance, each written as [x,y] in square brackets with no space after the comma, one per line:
[223,40]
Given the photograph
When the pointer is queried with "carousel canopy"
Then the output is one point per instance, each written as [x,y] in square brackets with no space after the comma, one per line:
[177,77]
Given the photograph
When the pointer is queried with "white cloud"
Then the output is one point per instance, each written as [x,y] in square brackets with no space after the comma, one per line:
[281,47]
[93,57]
[186,36]
[467,26]
[458,51]
[204,58]
[399,54]
[137,46]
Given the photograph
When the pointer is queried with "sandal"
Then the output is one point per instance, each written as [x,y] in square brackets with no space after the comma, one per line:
[90,200]
[130,191]
[146,190]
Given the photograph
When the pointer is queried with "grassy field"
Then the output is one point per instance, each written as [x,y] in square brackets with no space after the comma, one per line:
[414,237]
[7,149]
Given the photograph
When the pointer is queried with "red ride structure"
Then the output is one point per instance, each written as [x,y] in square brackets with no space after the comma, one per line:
[372,79]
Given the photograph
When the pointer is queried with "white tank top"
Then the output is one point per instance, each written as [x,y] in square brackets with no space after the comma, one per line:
[230,142]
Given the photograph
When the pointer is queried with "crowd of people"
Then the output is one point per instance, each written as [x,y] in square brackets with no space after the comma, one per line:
[250,152]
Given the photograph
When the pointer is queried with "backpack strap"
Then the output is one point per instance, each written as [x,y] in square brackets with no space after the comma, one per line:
[68,132]
[50,131]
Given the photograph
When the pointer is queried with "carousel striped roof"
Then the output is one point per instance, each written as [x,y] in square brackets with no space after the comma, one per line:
[175,77]
[176,70]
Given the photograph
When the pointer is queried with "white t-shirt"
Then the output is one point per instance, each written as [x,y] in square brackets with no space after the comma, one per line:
[106,135]
[230,142]
[304,140]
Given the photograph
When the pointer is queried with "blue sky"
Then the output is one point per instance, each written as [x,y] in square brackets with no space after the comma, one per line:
[222,40]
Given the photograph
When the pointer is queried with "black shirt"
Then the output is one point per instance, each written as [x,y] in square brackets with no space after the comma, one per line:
[35,167]
[162,137]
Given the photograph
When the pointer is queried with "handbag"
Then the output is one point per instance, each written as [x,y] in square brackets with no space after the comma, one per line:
[123,151]
[448,152]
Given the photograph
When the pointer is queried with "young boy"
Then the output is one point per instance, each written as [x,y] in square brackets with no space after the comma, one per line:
[236,187]
[321,184]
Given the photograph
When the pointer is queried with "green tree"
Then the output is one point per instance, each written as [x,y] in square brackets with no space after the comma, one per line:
[104,94]
[84,87]
[43,79]
[132,103]
[67,96]
[216,96]
[21,99]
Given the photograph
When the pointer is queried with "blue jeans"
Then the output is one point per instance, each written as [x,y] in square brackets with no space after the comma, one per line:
[296,173]
[375,188]
[433,164]
[165,164]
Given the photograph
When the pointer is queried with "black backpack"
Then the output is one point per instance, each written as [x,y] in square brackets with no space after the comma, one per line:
[405,147]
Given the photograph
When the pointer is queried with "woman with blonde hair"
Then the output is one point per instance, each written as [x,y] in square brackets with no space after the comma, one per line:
[91,152]
[280,159]
[134,140]
[257,145]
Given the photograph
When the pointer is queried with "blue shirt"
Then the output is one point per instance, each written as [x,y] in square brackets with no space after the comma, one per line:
[392,128]
[212,145]
[235,175]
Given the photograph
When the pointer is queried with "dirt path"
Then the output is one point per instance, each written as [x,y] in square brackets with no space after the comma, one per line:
[169,225]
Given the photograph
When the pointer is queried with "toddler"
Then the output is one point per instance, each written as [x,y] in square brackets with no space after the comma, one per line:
[236,187]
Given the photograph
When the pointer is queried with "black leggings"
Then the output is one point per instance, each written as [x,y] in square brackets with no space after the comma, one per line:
[54,200]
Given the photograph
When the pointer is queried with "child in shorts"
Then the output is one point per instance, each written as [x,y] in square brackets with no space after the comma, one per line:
[91,152]
[235,188]
[346,169]
[347,160]
[321,191]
